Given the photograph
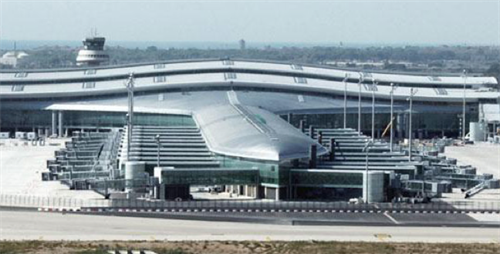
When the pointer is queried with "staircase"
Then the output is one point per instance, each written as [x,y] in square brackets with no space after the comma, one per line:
[349,154]
[180,147]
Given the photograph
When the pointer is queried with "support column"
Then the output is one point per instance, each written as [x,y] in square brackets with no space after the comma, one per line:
[400,125]
[302,125]
[54,123]
[332,149]
[312,156]
[311,131]
[60,131]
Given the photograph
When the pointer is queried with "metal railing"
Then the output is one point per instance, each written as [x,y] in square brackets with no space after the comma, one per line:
[32,201]
[18,200]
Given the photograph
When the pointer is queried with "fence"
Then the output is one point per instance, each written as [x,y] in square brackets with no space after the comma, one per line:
[19,200]
[13,200]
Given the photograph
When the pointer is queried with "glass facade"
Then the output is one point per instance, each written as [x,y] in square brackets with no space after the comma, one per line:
[24,118]
[327,179]
[270,172]
[87,119]
[429,125]
[211,177]
[114,119]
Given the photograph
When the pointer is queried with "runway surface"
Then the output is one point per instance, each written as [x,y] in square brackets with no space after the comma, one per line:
[26,225]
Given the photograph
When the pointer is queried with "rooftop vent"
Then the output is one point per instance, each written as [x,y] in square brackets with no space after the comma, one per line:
[366,75]
[370,87]
[434,78]
[300,80]
[160,79]
[229,75]
[440,91]
[88,85]
[17,88]
[89,72]
[21,75]
[159,66]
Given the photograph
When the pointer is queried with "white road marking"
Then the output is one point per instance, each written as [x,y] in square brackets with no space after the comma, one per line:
[391,218]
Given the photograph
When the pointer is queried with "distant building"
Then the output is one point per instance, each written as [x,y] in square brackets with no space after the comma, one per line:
[242,44]
[11,58]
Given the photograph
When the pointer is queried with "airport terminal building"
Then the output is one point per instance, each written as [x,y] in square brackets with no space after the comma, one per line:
[265,129]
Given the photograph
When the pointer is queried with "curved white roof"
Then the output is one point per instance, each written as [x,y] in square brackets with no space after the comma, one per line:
[263,81]
[239,66]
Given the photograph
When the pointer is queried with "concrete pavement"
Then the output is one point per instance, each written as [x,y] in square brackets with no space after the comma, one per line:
[484,156]
[25,225]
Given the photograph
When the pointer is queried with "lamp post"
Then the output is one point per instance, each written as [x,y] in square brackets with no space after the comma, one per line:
[366,149]
[158,145]
[374,85]
[392,115]
[463,106]
[345,99]
[129,84]
[359,102]
[410,136]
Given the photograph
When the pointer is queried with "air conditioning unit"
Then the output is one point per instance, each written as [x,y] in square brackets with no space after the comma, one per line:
[20,135]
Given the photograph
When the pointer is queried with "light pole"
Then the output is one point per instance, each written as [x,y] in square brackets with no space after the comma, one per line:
[410,136]
[345,99]
[374,85]
[366,149]
[359,102]
[129,84]
[463,108]
[158,145]
[392,115]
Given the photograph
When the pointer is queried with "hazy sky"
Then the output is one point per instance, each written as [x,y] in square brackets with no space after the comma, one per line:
[403,21]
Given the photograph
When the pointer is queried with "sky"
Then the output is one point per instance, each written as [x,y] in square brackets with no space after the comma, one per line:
[409,22]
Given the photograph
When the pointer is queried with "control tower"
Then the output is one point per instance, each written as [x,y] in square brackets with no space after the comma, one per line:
[92,53]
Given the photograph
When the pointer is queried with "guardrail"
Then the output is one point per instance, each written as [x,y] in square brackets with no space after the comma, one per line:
[13,200]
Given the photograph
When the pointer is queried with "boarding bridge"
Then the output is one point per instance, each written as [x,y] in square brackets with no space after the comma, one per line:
[89,155]
[175,183]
